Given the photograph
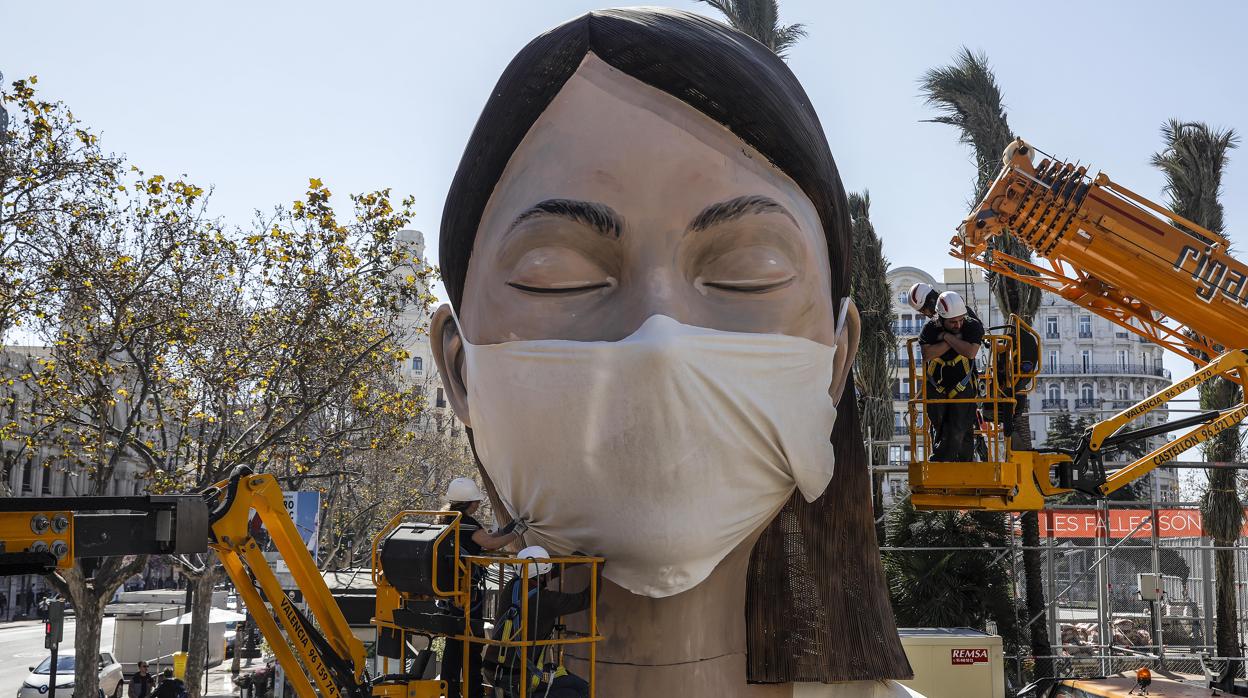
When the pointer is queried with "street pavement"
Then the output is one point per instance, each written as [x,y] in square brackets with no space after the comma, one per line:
[21,647]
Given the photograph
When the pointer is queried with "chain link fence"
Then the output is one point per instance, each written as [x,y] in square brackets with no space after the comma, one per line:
[1126,584]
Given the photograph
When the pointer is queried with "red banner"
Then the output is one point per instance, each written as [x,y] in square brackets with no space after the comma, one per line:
[1087,523]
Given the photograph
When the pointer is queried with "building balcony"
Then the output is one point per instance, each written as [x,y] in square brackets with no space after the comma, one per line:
[907,329]
[1053,404]
[1052,335]
[901,430]
[1094,403]
[1119,404]
[1085,335]
[1106,369]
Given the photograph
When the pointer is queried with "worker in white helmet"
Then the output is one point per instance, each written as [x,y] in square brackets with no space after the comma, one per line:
[547,675]
[950,343]
[464,496]
[922,299]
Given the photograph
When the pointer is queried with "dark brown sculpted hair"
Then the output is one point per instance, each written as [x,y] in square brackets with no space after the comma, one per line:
[817,608]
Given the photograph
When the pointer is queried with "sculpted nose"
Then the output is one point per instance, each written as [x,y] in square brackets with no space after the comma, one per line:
[659,291]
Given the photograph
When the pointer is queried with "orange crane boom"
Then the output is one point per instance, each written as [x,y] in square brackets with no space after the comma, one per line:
[1113,252]
[1123,257]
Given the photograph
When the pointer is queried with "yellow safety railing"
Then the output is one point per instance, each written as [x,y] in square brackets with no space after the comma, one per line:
[1004,479]
[591,637]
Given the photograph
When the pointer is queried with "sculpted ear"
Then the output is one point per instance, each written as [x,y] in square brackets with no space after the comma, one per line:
[846,350]
[448,354]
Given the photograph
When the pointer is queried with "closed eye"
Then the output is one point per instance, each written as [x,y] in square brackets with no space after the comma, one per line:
[560,289]
[749,269]
[750,285]
[555,269]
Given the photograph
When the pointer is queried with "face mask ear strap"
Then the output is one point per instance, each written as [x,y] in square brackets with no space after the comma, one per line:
[840,316]
[459,326]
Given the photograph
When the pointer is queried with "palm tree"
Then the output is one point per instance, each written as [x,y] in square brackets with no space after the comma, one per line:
[761,20]
[1193,159]
[878,346]
[939,588]
[966,96]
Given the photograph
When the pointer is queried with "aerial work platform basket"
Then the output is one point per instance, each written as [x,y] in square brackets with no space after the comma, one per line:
[1001,479]
[408,604]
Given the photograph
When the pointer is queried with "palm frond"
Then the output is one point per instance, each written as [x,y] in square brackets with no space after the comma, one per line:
[760,19]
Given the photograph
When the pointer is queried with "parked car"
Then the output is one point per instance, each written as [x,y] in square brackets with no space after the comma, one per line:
[112,684]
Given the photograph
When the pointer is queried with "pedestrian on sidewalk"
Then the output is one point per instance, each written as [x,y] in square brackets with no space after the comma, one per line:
[142,683]
[169,687]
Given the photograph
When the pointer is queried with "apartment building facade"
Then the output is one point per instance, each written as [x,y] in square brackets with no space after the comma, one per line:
[419,368]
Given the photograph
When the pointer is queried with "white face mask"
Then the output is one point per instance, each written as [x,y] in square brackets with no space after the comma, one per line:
[662,451]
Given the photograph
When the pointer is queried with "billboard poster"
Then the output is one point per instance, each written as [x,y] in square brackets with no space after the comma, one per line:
[305,510]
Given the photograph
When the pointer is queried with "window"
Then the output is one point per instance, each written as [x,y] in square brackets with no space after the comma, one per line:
[1050,326]
[1055,391]
[1086,356]
[1122,359]
[418,364]
[1085,326]
[1054,358]
[65,484]
[1124,393]
[46,486]
[1086,392]
[441,402]
[27,468]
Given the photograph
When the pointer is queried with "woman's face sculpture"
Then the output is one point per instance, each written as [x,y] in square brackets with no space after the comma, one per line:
[621,204]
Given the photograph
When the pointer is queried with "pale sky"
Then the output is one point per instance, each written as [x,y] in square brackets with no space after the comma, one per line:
[254,98]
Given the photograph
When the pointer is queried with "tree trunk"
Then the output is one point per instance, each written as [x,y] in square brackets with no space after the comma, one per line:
[88,619]
[201,606]
[1226,631]
[1038,630]
[1222,501]
[89,597]
[1223,515]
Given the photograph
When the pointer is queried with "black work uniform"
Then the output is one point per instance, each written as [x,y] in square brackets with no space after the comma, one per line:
[949,376]
[546,606]
[453,652]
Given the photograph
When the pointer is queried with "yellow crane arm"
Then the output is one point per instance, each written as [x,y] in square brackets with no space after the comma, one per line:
[327,651]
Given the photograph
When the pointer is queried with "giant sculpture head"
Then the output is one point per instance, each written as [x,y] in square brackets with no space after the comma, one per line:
[646,247]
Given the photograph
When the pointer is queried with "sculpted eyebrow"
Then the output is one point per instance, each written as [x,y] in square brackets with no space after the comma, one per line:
[733,209]
[597,216]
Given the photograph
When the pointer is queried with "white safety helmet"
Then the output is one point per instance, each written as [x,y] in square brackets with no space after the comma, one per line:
[464,489]
[950,305]
[918,296]
[536,552]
